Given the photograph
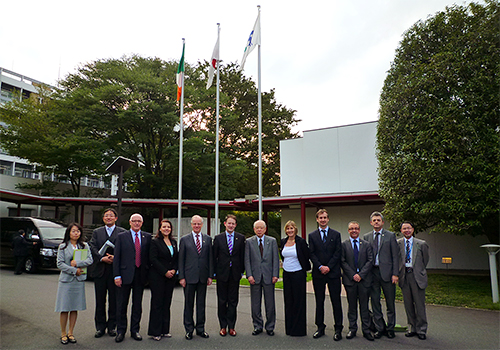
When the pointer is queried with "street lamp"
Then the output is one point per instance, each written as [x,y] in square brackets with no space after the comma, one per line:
[492,250]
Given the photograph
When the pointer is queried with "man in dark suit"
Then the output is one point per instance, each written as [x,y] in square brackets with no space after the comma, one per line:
[413,280]
[130,270]
[229,263]
[195,274]
[20,250]
[102,273]
[326,251]
[385,274]
[357,261]
[262,264]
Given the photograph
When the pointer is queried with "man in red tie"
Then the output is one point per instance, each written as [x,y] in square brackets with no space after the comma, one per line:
[195,274]
[130,270]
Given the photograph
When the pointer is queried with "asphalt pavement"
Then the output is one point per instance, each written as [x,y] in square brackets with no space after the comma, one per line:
[28,321]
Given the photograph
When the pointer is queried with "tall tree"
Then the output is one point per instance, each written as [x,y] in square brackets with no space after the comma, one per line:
[438,134]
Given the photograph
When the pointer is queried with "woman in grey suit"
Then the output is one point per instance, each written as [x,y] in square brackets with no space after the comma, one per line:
[73,256]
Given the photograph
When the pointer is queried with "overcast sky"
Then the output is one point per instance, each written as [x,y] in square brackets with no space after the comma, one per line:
[326,59]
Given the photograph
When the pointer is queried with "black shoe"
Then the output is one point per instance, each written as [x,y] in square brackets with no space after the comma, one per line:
[390,334]
[257,331]
[119,337]
[98,334]
[189,335]
[270,332]
[378,334]
[422,336]
[112,332]
[350,334]
[319,333]
[410,334]
[368,336]
[337,336]
[136,335]
[203,334]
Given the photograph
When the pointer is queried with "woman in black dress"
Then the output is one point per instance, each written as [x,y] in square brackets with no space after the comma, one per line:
[295,254]
[163,255]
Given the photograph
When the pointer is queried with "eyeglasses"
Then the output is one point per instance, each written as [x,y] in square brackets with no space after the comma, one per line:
[135,220]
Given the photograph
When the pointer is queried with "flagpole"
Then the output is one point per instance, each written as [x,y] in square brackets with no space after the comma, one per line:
[260,129]
[181,140]
[217,141]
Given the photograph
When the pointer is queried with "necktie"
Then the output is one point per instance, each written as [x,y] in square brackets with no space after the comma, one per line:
[323,234]
[375,243]
[261,248]
[356,254]
[230,244]
[137,250]
[408,258]
[198,245]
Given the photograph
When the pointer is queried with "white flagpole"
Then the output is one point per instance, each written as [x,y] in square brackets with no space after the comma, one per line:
[181,139]
[217,141]
[260,130]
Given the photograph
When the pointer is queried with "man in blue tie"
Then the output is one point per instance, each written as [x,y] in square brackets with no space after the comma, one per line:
[357,262]
[229,264]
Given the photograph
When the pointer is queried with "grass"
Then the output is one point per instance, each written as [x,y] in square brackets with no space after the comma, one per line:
[444,289]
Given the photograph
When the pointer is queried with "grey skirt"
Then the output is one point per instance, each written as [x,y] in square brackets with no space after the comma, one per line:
[71,296]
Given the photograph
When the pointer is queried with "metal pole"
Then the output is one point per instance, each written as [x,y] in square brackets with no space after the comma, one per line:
[181,139]
[217,143]
[260,131]
[494,277]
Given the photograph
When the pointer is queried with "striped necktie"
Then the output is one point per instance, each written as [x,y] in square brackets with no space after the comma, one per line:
[198,244]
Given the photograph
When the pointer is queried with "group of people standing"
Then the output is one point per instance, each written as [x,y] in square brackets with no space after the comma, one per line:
[125,260]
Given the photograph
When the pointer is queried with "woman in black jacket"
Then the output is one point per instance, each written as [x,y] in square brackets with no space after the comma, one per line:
[295,255]
[163,256]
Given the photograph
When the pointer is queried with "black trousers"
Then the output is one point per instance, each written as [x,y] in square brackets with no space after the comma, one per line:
[104,286]
[227,301]
[294,293]
[162,289]
[19,264]
[122,298]
[194,291]
[334,288]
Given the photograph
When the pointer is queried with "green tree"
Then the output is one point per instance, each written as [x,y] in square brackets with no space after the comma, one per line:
[438,134]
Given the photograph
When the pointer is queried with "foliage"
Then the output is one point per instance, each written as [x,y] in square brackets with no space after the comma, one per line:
[438,134]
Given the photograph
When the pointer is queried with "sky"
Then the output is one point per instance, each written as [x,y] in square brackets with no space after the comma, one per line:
[326,59]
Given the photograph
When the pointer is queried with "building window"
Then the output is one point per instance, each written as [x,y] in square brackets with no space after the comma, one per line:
[23,212]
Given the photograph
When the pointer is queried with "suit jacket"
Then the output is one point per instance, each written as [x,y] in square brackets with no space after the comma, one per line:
[194,267]
[124,260]
[264,268]
[388,254]
[302,251]
[161,259]
[325,254]
[20,246]
[64,257]
[419,258]
[365,263]
[223,260]
[99,237]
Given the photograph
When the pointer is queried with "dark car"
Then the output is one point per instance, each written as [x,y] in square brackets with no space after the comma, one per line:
[47,235]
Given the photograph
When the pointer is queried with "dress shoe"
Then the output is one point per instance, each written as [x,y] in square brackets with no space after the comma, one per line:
[203,334]
[223,332]
[319,333]
[257,331]
[167,335]
[270,332]
[337,336]
[98,334]
[189,335]
[351,334]
[378,334]
[136,335]
[368,336]
[119,337]
[390,334]
[410,334]
[422,336]
[157,338]
[112,332]
[232,332]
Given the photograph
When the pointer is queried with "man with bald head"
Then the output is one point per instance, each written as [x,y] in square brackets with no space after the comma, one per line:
[130,270]
[262,266]
[195,274]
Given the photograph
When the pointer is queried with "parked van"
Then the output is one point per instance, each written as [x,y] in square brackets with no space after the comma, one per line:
[47,234]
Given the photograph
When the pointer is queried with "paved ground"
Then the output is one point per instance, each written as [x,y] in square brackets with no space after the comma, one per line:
[28,321]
